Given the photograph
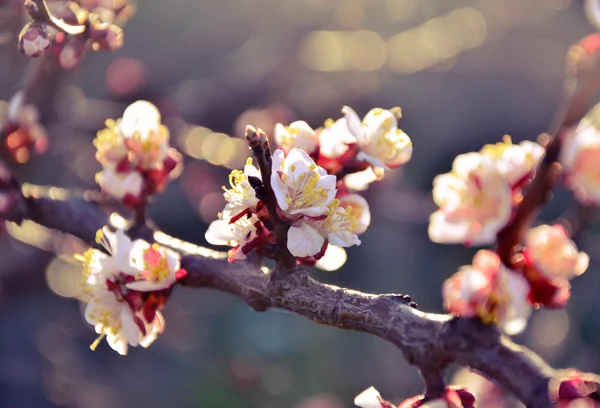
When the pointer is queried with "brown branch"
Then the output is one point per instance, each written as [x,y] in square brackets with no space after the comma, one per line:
[38,10]
[428,341]
[549,170]
[259,143]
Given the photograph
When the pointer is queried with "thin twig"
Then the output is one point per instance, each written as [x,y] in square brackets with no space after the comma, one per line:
[39,11]
[549,170]
[259,143]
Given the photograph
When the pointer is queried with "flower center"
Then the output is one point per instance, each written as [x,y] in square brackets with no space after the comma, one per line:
[156,267]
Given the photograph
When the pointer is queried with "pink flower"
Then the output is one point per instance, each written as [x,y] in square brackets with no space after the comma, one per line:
[297,135]
[553,254]
[575,390]
[490,291]
[475,202]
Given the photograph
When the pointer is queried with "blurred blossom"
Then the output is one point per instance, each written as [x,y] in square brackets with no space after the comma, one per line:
[579,157]
[490,291]
[125,76]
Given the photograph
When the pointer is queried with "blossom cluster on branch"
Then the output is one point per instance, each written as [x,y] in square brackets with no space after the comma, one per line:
[136,158]
[300,204]
[68,29]
[314,177]
[126,288]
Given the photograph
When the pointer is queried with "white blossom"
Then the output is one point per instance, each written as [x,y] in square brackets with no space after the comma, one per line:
[121,185]
[306,238]
[297,135]
[241,196]
[369,398]
[115,320]
[380,141]
[335,138]
[234,233]
[138,138]
[515,161]
[301,187]
[580,157]
[360,181]
[475,202]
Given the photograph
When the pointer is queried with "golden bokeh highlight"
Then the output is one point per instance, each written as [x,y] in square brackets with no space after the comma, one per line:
[64,278]
[216,148]
[434,42]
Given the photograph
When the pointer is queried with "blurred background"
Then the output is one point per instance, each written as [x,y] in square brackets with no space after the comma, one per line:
[465,72]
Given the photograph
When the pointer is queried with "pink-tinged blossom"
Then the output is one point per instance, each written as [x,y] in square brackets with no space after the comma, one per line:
[575,390]
[301,187]
[113,280]
[580,157]
[381,142]
[488,290]
[157,267]
[297,135]
[553,254]
[144,135]
[475,202]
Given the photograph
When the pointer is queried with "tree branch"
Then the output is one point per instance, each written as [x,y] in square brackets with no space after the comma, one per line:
[429,341]
[549,170]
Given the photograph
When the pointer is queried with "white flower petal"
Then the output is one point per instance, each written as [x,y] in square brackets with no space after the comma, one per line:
[369,398]
[304,241]
[354,123]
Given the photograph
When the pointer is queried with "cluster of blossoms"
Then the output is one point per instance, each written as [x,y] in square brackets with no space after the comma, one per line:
[496,294]
[451,398]
[102,18]
[319,209]
[126,288]
[575,390]
[24,133]
[477,197]
[135,155]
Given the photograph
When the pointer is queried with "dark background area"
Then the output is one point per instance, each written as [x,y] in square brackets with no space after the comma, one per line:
[465,72]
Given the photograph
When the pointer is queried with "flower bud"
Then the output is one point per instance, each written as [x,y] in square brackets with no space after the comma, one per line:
[106,36]
[34,39]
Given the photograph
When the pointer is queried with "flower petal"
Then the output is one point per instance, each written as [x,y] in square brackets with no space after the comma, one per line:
[304,241]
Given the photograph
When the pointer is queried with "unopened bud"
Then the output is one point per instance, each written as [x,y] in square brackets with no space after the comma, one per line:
[34,39]
[72,53]
[255,137]
[106,36]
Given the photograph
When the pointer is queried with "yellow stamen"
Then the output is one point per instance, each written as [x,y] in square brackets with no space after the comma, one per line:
[96,342]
